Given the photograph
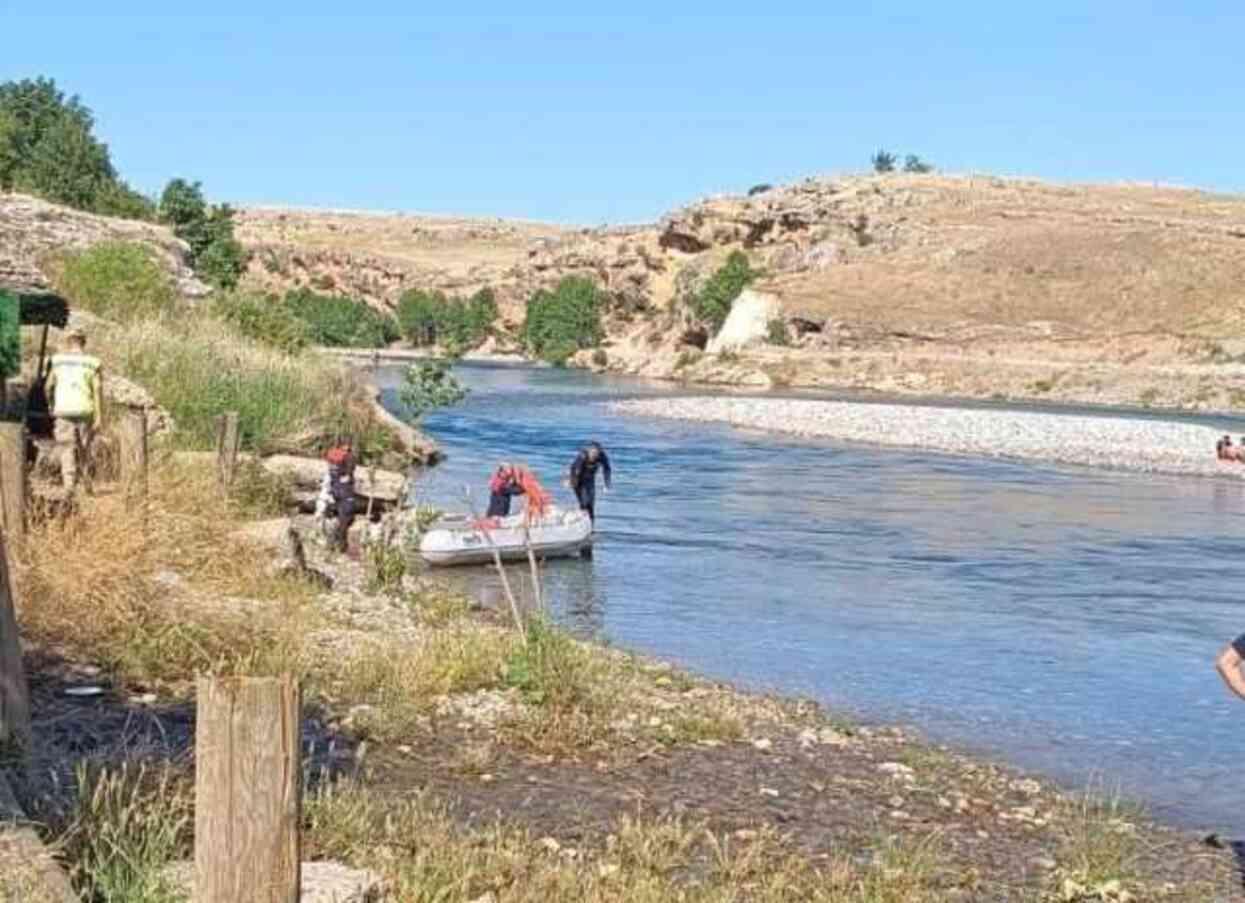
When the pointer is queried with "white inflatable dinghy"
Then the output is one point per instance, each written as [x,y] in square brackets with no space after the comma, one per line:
[462,540]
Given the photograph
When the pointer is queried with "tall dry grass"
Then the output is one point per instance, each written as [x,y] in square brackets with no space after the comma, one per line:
[157,595]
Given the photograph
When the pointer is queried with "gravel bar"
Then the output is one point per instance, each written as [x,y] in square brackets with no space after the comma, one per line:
[1117,443]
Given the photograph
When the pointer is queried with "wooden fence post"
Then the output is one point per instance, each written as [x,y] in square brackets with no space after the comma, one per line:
[14,692]
[228,441]
[13,488]
[248,786]
[134,452]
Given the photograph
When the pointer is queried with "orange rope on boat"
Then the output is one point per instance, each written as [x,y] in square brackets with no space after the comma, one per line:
[538,500]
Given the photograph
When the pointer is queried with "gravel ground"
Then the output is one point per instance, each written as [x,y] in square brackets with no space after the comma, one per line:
[1146,446]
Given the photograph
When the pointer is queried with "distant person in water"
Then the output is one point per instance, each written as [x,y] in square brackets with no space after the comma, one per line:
[1228,664]
[583,476]
[502,488]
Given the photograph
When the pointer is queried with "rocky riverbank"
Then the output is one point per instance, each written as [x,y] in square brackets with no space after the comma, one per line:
[1115,442]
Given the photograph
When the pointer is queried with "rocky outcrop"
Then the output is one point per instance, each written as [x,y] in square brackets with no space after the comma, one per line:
[33,231]
[747,323]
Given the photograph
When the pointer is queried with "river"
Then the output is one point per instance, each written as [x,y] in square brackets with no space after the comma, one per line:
[1064,620]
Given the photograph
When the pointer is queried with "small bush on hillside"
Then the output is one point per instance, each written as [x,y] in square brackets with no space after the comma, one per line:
[760,189]
[883,161]
[431,318]
[119,281]
[265,319]
[563,321]
[713,302]
[427,386]
[215,254]
[340,322]
[913,163]
[776,332]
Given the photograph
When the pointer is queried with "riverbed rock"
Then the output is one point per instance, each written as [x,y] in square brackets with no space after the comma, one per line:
[384,487]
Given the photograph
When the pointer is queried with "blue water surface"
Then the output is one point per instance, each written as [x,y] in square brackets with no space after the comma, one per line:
[1062,619]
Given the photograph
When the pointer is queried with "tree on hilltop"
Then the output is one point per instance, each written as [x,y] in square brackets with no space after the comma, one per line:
[883,161]
[913,163]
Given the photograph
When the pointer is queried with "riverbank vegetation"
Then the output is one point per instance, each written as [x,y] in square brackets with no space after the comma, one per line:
[564,320]
[455,324]
[712,303]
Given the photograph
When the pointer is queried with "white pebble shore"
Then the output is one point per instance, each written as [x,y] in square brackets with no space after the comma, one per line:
[1117,443]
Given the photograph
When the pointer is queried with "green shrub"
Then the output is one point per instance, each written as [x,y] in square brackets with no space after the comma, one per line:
[563,321]
[883,161]
[431,318]
[776,331]
[913,163]
[712,303]
[429,385]
[265,319]
[340,322]
[119,281]
[10,336]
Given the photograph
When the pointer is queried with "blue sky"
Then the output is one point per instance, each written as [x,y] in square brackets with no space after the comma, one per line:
[552,112]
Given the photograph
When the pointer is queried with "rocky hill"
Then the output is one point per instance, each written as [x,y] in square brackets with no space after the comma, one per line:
[973,286]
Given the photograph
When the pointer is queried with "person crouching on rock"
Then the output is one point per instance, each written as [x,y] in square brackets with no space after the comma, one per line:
[502,488]
[341,464]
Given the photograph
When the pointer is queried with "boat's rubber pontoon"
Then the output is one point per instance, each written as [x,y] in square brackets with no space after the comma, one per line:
[461,540]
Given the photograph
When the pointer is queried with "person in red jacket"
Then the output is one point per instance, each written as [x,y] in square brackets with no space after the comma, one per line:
[502,488]
[341,463]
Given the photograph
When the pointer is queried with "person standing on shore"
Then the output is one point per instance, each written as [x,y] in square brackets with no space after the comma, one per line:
[1228,664]
[583,476]
[341,463]
[76,387]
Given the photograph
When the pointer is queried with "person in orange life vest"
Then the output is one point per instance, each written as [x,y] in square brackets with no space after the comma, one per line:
[76,388]
[502,488]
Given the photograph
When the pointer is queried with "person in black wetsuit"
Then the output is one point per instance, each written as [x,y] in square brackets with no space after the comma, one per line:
[503,487]
[583,476]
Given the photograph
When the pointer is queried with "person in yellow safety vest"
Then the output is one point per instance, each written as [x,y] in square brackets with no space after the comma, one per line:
[76,389]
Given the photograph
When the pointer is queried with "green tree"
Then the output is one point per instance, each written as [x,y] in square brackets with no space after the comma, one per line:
[429,385]
[883,161]
[563,321]
[712,303]
[215,254]
[67,166]
[340,322]
[48,147]
[10,336]
[913,163]
[9,158]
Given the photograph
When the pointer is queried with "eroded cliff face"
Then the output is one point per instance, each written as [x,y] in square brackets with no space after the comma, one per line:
[33,232]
